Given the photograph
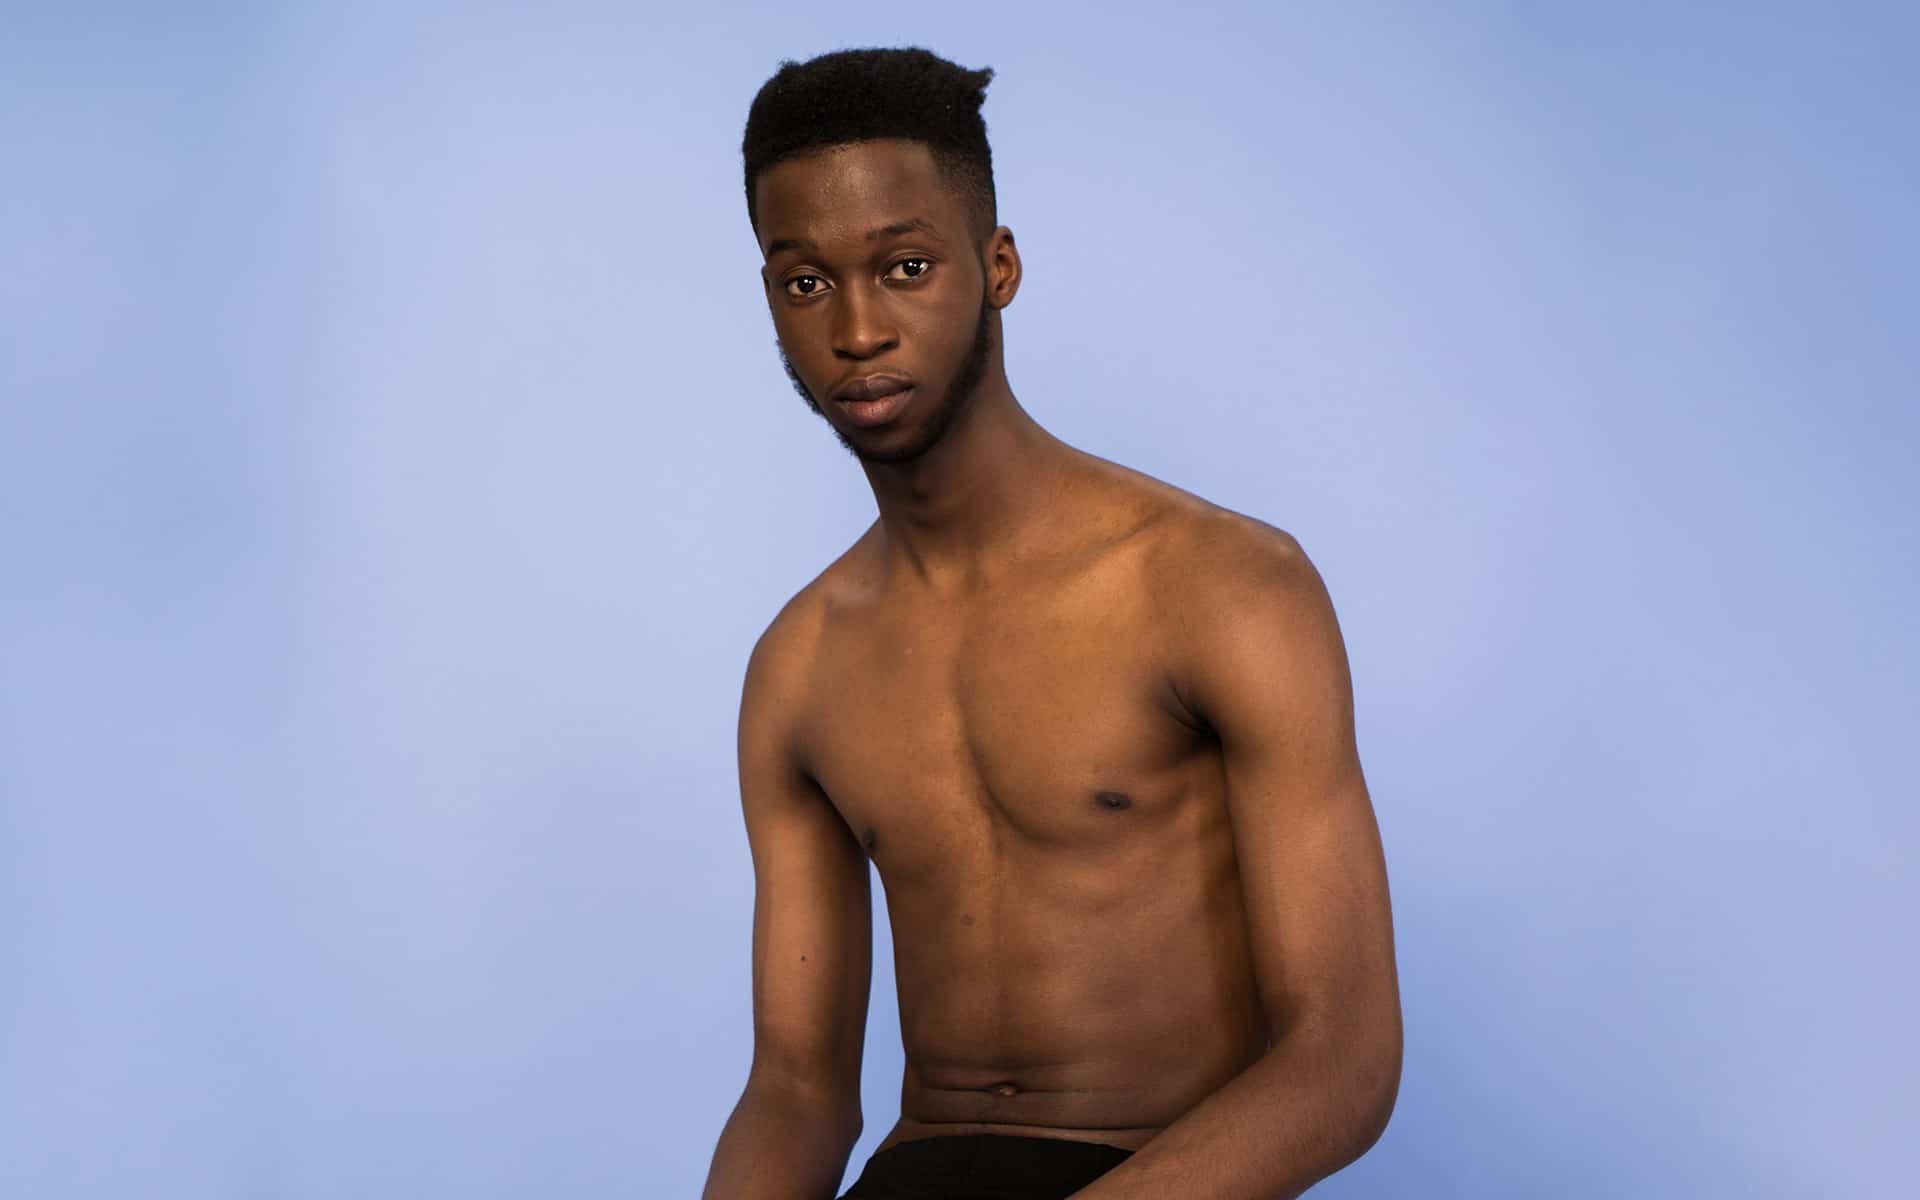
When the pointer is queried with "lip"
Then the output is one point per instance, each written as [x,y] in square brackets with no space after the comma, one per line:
[872,387]
[877,411]
[874,399]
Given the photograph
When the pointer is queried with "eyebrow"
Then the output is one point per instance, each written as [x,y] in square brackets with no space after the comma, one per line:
[910,225]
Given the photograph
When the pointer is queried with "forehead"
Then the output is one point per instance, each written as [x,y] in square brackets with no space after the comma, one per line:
[843,191]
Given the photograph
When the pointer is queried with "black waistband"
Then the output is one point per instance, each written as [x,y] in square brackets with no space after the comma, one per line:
[1023,1166]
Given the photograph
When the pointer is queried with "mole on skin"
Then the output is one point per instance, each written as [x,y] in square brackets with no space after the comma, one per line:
[1113,799]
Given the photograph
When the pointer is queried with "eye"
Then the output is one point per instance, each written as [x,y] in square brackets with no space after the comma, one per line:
[922,266]
[812,286]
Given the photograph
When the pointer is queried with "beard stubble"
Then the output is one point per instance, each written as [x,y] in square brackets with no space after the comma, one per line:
[953,402]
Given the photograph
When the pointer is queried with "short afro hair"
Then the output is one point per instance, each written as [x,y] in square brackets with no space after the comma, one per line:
[859,95]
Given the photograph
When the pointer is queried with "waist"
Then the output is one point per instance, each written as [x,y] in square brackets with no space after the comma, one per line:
[1117,1137]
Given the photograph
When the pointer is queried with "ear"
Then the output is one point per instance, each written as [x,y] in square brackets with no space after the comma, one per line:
[1000,259]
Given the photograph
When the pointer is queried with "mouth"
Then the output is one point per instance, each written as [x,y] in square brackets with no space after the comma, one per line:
[874,400]
[879,410]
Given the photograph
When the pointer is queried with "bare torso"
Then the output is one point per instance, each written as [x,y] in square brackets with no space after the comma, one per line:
[1049,825]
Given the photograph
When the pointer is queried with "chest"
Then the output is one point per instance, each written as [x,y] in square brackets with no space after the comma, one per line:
[1040,716]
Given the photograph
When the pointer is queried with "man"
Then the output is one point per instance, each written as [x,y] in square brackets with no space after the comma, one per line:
[1094,733]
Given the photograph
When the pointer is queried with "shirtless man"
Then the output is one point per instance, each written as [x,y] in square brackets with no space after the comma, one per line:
[1094,733]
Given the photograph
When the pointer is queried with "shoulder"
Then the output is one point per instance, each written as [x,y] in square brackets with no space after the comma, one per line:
[781,665]
[781,662]
[1192,550]
[774,693]
[1180,533]
[1205,564]
[1207,560]
[795,631]
[782,650]
[1243,615]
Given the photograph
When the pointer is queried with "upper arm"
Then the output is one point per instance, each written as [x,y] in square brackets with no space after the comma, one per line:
[1261,661]
[812,915]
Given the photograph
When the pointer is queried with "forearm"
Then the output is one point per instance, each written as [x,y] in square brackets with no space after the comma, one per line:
[782,1144]
[1294,1117]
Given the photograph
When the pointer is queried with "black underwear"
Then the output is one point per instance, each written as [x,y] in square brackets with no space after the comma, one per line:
[984,1166]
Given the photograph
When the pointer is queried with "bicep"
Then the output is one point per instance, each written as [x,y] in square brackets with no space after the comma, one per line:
[1266,669]
[812,915]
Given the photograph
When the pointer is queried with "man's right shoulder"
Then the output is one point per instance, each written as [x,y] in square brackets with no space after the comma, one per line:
[786,645]
[779,683]
[786,650]
[795,634]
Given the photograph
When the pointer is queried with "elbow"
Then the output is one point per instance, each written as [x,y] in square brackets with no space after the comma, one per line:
[811,1101]
[1357,1079]
[1375,1088]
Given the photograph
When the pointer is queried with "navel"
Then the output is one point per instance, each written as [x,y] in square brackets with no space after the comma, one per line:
[1004,1089]
[1113,800]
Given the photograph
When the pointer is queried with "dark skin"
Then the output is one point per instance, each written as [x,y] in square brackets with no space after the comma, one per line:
[1094,733]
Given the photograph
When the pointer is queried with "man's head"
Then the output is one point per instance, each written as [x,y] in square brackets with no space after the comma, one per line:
[870,189]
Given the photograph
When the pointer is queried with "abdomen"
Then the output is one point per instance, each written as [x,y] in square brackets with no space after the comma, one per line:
[1104,984]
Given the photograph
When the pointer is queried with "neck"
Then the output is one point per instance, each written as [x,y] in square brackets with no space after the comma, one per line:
[962,509]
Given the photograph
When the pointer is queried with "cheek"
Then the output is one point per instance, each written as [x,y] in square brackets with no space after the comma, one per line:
[799,337]
[957,342]
[947,330]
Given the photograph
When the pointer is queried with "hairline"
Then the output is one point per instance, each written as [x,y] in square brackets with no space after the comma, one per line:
[981,210]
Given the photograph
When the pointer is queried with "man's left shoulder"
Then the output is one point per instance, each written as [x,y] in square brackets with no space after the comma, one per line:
[1205,554]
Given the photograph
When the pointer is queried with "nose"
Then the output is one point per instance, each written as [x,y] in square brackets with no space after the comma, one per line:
[861,326]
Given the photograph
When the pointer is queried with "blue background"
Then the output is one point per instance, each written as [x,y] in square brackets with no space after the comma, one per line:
[396,468]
